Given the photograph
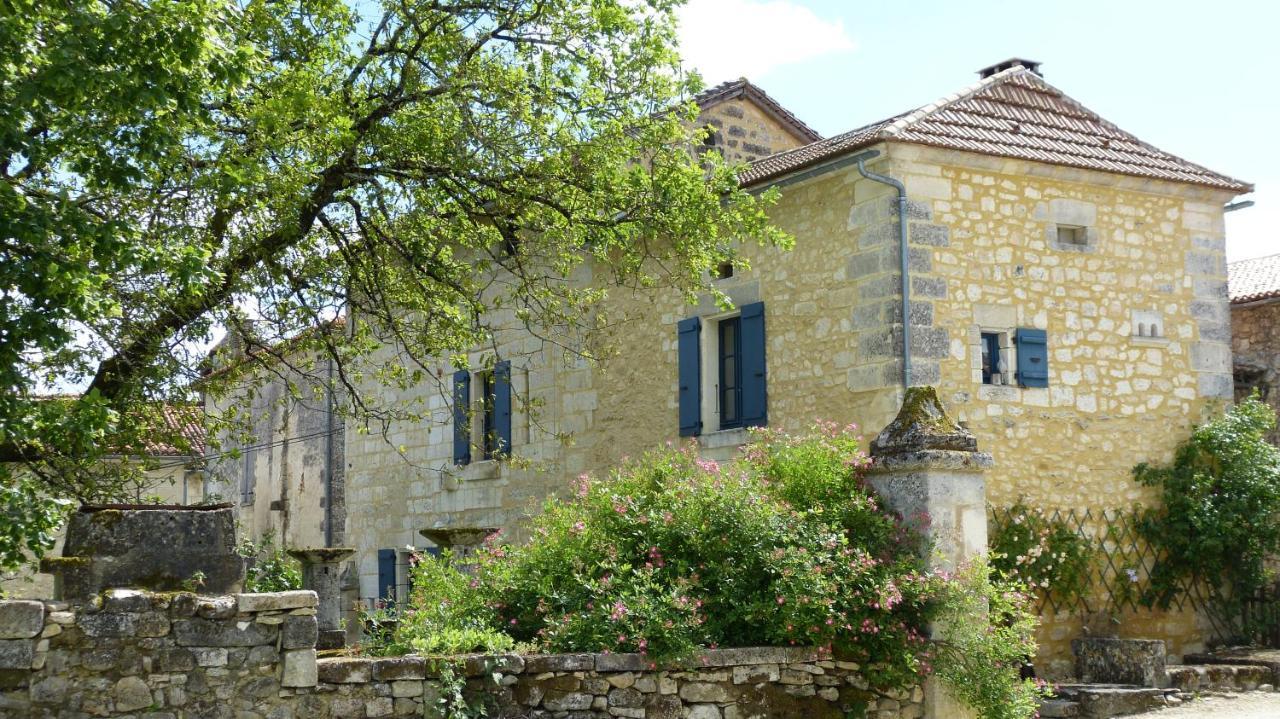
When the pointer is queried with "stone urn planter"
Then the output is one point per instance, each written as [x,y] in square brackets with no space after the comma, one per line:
[462,541]
[146,546]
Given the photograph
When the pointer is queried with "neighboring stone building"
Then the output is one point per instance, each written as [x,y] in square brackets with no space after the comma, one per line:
[281,461]
[1068,300]
[1255,328]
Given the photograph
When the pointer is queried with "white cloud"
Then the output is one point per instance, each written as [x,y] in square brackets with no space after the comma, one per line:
[728,39]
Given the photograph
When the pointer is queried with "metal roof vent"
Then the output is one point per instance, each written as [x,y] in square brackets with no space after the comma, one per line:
[990,70]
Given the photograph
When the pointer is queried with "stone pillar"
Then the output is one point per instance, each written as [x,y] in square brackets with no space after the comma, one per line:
[926,467]
[321,573]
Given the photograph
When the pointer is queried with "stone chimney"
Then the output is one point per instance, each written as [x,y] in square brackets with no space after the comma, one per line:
[990,70]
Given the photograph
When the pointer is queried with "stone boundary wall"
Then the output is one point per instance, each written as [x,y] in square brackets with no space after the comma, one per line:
[145,655]
[745,683]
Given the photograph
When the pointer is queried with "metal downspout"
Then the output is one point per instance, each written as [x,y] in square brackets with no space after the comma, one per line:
[861,158]
[328,462]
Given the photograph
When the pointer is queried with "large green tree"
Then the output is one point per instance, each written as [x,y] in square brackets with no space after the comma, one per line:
[168,167]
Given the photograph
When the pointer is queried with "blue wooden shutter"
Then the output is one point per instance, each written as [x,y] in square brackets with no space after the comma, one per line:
[1033,358]
[755,399]
[462,417]
[502,405]
[387,574]
[690,376]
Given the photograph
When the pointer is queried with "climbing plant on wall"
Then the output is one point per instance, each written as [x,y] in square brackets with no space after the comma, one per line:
[1220,499]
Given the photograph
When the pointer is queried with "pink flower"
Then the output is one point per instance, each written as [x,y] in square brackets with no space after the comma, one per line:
[619,611]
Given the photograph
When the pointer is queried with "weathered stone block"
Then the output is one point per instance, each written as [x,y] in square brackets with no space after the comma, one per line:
[110,547]
[131,693]
[661,706]
[126,600]
[16,653]
[620,662]
[151,624]
[107,625]
[298,632]
[557,701]
[920,233]
[222,633]
[703,692]
[216,607]
[20,619]
[935,287]
[399,668]
[1120,661]
[275,601]
[335,670]
[175,659]
[299,668]
[627,697]
[50,690]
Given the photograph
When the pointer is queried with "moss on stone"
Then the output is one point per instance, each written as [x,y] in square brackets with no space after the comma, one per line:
[50,565]
[921,407]
[922,424]
[107,517]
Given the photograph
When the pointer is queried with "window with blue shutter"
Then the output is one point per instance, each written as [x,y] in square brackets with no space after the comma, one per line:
[387,574]
[689,373]
[1033,357]
[502,406]
[461,417]
[754,410]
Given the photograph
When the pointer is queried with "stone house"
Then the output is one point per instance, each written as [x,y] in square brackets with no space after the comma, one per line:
[1067,297]
[281,459]
[1255,328]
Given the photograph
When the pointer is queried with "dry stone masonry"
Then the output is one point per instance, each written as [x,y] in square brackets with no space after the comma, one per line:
[165,655]
[178,655]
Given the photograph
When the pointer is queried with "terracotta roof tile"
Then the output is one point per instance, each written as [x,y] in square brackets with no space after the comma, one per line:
[744,88]
[1013,113]
[180,420]
[1255,279]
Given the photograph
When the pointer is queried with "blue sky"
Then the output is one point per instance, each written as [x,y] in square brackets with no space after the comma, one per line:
[1199,80]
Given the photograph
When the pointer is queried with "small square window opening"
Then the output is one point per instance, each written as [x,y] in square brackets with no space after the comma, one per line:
[724,270]
[1072,236]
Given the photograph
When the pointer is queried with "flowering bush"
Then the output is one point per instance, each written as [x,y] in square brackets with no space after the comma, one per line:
[1216,523]
[1045,554]
[673,553]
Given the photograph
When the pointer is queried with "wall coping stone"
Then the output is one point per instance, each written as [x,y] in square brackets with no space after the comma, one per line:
[359,670]
[272,601]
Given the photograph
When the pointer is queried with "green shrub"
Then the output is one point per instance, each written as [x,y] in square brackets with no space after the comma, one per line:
[1218,521]
[671,554]
[444,615]
[272,570]
[980,660]
[1042,553]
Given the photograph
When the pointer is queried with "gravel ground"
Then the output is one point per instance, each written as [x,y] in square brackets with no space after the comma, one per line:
[1252,705]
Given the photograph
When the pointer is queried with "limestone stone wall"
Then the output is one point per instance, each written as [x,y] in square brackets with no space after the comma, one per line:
[745,132]
[167,656]
[252,656]
[282,462]
[1255,340]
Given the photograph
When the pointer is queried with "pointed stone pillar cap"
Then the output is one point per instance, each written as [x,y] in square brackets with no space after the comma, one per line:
[922,435]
